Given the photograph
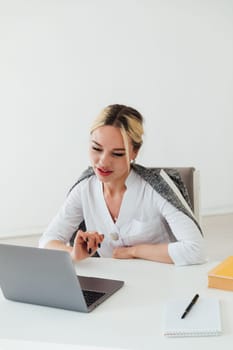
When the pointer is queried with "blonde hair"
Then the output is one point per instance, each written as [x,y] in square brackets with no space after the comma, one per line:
[127,119]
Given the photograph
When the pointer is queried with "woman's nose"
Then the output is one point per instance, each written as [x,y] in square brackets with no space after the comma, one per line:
[104,159]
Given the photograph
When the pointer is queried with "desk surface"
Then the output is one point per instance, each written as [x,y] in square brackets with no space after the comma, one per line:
[130,319]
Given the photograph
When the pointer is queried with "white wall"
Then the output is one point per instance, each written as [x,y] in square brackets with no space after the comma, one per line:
[62,61]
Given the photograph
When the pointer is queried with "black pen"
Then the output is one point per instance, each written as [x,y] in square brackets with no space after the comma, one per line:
[189,307]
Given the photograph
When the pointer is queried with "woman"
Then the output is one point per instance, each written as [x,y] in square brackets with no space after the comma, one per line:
[125,207]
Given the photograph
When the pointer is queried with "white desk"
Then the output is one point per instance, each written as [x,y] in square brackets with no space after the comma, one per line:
[131,319]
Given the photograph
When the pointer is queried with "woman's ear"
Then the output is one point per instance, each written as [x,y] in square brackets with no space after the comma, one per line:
[134,155]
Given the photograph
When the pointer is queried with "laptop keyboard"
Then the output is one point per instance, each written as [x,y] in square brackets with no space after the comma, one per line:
[91,296]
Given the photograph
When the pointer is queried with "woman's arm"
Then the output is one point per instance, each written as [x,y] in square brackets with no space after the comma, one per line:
[85,245]
[62,227]
[153,252]
[188,248]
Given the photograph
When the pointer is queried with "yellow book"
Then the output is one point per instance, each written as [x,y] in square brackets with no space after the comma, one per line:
[221,276]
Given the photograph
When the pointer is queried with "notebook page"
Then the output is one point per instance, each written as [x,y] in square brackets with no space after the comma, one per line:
[204,318]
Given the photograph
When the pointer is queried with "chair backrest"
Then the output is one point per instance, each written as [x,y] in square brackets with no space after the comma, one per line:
[190,177]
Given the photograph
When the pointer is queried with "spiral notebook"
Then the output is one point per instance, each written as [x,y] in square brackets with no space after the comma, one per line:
[204,319]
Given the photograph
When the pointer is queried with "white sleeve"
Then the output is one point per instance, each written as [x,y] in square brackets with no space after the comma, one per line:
[67,220]
[189,248]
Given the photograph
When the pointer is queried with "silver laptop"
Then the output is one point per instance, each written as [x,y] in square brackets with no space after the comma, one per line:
[47,277]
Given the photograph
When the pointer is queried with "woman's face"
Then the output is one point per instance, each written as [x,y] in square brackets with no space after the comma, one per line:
[108,154]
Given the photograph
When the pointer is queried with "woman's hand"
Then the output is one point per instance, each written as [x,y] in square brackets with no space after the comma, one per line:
[123,253]
[86,244]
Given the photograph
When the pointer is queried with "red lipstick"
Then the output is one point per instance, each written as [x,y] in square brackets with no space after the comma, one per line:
[103,172]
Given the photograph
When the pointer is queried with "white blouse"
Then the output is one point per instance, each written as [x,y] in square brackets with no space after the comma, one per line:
[144,217]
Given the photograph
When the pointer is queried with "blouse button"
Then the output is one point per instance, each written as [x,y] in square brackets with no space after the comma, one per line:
[114,236]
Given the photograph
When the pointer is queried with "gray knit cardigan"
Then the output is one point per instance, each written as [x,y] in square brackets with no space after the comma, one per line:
[153,177]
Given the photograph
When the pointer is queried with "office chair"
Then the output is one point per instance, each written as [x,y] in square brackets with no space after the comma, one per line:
[191,179]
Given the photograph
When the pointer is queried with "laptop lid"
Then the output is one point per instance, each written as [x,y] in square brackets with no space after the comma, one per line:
[47,277]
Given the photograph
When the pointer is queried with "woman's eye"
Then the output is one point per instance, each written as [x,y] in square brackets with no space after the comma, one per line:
[115,154]
[97,149]
[118,154]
